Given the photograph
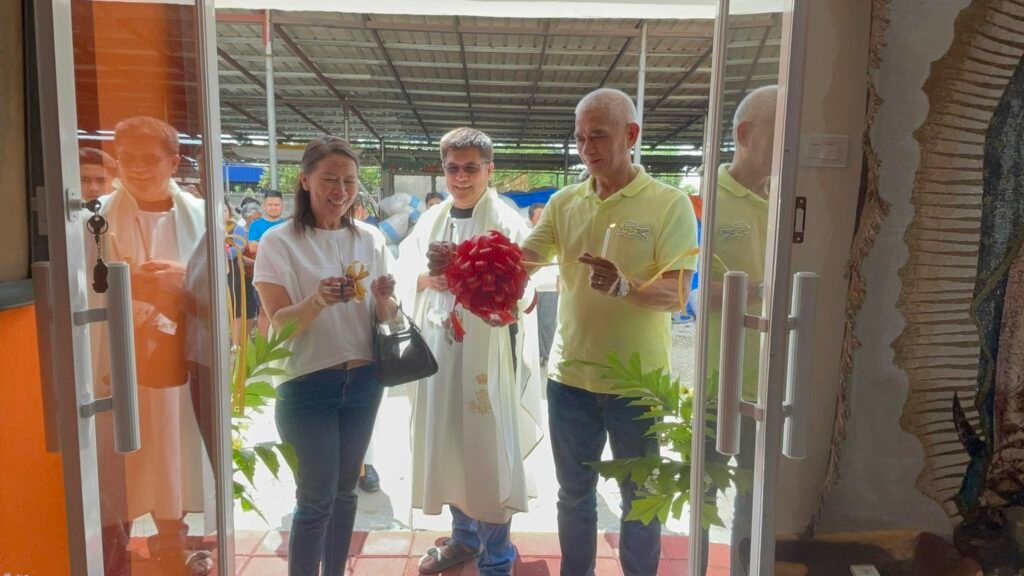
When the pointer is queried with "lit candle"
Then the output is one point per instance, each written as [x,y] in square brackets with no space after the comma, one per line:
[607,239]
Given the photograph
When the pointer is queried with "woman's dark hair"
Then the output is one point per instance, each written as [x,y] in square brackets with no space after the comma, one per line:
[316,151]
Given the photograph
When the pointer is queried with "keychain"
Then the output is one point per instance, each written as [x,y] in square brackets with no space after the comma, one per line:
[98,226]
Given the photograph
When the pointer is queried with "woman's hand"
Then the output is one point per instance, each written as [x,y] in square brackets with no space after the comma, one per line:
[383,289]
[336,289]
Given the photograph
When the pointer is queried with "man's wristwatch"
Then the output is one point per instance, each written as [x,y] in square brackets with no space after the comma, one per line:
[621,287]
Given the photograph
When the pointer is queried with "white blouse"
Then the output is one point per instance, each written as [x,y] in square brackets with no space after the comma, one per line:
[341,332]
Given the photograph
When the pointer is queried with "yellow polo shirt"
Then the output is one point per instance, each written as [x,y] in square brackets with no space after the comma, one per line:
[654,223]
[740,242]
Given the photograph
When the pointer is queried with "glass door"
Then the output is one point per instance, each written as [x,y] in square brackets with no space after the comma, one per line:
[745,322]
[134,337]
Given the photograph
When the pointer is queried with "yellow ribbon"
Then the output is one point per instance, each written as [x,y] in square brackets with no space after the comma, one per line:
[680,287]
[357,272]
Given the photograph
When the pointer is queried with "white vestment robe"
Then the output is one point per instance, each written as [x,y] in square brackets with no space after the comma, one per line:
[478,418]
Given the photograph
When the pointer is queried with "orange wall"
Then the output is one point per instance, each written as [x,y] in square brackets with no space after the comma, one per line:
[33,537]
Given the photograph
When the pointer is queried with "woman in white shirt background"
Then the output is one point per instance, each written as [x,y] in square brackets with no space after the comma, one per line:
[328,404]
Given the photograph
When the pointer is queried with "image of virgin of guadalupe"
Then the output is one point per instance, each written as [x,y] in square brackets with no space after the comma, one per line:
[995,475]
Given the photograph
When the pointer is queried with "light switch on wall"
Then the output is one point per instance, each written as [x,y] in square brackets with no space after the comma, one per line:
[824,150]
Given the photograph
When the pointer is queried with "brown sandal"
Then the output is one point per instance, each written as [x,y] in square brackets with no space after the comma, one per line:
[440,558]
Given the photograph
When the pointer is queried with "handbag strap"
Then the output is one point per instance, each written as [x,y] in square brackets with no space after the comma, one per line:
[408,319]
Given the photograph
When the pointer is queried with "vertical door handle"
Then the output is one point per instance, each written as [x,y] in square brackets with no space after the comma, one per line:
[123,383]
[798,373]
[730,371]
[44,320]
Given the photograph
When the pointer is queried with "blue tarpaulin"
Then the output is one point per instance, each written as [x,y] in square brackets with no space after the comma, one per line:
[527,199]
[243,174]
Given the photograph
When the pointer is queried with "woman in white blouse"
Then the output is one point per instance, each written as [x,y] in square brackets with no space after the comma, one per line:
[326,407]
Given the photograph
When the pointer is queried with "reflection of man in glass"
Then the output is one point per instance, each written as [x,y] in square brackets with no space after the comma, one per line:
[154,227]
[97,170]
[740,240]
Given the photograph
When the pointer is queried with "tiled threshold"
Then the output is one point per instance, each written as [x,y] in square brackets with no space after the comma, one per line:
[398,553]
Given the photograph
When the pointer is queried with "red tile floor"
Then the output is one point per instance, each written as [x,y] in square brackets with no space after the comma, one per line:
[397,553]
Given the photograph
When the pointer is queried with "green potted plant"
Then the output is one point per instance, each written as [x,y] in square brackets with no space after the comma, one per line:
[663,482]
[254,365]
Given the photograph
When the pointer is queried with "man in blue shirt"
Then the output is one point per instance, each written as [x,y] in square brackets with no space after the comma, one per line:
[273,206]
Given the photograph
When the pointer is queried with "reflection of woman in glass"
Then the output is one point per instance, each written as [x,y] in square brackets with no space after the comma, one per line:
[154,227]
[307,273]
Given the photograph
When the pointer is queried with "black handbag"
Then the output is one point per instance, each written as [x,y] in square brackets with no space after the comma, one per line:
[402,356]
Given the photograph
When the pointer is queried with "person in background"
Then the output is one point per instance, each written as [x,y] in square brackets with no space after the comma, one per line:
[98,170]
[273,207]
[247,201]
[433,199]
[545,281]
[249,213]
[238,283]
[602,311]
[327,407]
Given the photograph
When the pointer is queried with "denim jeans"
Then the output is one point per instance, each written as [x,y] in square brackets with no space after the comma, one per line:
[580,423]
[327,417]
[497,555]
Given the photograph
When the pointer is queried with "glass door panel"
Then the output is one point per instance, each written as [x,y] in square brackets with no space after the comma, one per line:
[737,239]
[136,110]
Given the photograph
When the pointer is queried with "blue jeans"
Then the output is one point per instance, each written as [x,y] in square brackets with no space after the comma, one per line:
[580,423]
[498,553]
[327,417]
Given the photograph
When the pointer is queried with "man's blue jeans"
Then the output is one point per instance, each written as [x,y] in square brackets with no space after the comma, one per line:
[580,423]
[327,417]
[498,554]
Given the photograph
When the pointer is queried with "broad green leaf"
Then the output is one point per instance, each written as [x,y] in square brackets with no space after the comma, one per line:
[287,452]
[269,371]
[648,506]
[678,503]
[262,389]
[719,474]
[642,468]
[709,516]
[618,469]
[245,462]
[266,454]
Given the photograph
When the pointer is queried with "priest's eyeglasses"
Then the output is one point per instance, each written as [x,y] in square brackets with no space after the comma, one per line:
[453,169]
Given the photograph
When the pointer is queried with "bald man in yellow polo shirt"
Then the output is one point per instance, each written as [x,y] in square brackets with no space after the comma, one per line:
[601,310]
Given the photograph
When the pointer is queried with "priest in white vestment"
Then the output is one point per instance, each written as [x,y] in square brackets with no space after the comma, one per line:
[478,418]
